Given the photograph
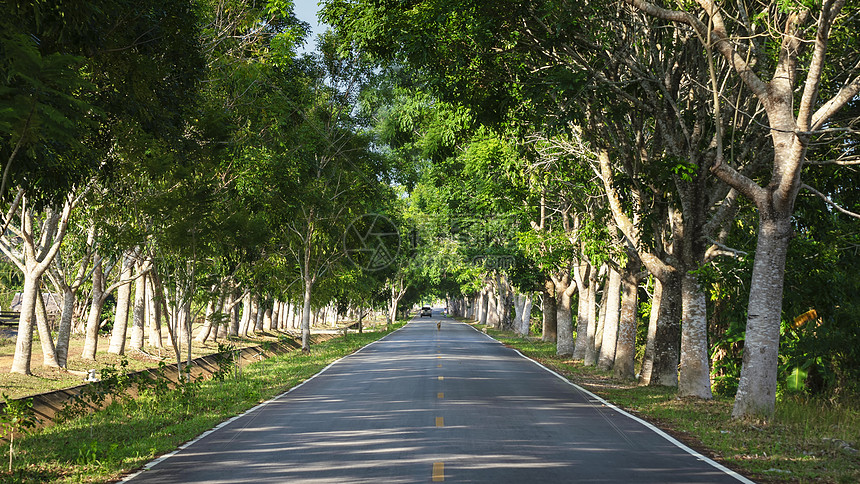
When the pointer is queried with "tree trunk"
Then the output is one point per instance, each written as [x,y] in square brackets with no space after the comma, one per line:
[527,316]
[550,323]
[49,351]
[625,347]
[757,386]
[34,264]
[138,317]
[582,307]
[120,324]
[64,331]
[519,302]
[485,305]
[660,366]
[306,317]
[154,313]
[564,290]
[259,313]
[506,293]
[24,340]
[695,376]
[591,326]
[291,311]
[612,296]
[94,318]
[601,324]
[274,315]
[234,317]
[246,314]
[267,318]
[206,329]
[492,308]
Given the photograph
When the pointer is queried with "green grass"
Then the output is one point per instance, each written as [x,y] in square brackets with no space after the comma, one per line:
[805,441]
[107,444]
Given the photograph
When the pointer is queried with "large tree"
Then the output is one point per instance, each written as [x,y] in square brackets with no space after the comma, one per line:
[799,61]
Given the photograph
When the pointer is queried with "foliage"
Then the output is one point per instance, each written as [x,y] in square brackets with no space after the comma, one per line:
[17,418]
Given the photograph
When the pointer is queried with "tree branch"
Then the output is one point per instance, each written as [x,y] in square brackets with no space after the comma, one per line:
[829,201]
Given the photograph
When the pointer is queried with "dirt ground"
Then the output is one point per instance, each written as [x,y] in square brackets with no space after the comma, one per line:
[45,379]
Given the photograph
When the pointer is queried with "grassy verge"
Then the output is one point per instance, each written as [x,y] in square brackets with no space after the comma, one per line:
[104,445]
[810,439]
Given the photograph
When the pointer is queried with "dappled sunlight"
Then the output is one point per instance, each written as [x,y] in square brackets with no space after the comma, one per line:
[393,410]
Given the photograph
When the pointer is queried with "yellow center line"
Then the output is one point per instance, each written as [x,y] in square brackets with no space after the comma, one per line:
[438,471]
[440,422]
[440,395]
[439,365]
[441,377]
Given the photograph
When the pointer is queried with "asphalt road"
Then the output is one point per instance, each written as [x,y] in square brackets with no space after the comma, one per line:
[425,405]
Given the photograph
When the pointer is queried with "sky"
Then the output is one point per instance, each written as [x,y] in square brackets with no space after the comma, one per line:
[307,10]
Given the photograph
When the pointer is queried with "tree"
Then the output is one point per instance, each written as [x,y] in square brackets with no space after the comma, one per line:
[802,38]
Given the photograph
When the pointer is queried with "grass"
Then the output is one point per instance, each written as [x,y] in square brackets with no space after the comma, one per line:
[46,379]
[107,444]
[809,439]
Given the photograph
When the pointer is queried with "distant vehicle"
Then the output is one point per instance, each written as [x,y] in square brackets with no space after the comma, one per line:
[426,311]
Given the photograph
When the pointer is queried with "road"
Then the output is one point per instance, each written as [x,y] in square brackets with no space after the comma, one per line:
[425,405]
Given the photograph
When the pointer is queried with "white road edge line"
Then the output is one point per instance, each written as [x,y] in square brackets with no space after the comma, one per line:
[656,430]
[149,465]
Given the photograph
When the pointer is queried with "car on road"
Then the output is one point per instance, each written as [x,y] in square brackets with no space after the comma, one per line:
[426,311]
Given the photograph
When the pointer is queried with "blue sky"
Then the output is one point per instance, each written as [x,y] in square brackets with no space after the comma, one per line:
[307,10]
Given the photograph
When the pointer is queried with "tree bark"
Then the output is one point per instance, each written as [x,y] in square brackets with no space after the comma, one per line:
[94,316]
[206,329]
[695,376]
[601,323]
[246,314]
[154,300]
[234,309]
[564,291]
[259,314]
[274,315]
[581,273]
[64,330]
[306,317]
[550,323]
[625,348]
[485,305]
[660,366]
[591,322]
[527,316]
[519,302]
[757,386]
[612,296]
[492,307]
[120,324]
[138,318]
[37,256]
[49,351]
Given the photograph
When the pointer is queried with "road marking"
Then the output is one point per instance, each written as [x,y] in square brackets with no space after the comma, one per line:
[441,378]
[440,422]
[440,395]
[438,471]
[149,465]
[633,417]
[439,365]
[438,356]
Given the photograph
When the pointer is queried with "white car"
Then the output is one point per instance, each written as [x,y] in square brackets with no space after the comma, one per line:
[426,311]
